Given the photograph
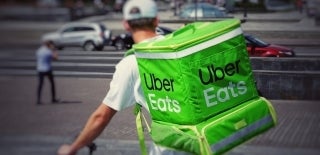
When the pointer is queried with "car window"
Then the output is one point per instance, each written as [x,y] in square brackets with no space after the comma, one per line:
[69,29]
[187,12]
[260,42]
[194,13]
[209,12]
[256,41]
[83,28]
[248,42]
[187,7]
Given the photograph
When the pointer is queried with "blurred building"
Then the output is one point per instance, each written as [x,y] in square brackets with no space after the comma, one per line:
[52,10]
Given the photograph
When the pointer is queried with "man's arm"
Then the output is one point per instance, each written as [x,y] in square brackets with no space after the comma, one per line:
[54,52]
[96,123]
[55,55]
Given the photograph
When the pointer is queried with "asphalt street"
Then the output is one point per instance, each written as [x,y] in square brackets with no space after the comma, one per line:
[30,129]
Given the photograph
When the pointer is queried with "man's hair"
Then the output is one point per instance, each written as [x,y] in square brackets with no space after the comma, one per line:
[48,43]
[142,24]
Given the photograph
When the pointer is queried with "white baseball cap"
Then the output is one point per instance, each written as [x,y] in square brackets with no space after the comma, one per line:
[136,9]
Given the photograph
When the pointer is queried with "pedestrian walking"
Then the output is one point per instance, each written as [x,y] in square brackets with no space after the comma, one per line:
[45,54]
[140,18]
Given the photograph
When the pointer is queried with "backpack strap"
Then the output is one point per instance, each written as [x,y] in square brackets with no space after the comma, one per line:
[129,52]
[139,115]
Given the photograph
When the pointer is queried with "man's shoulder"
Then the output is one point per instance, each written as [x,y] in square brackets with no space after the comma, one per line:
[128,61]
[129,52]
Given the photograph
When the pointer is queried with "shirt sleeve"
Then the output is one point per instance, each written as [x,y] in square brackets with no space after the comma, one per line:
[121,92]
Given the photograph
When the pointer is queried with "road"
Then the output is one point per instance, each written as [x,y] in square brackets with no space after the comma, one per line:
[82,82]
[74,62]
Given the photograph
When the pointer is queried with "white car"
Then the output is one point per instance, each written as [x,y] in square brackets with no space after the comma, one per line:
[202,10]
[90,36]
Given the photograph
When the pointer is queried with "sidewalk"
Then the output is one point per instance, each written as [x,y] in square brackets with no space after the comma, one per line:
[29,129]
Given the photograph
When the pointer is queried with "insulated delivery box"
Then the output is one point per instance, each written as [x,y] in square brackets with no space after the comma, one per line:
[200,89]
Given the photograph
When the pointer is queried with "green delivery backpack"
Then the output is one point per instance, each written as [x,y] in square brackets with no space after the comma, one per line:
[200,89]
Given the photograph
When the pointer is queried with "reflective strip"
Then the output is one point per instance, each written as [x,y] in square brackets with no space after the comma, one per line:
[241,134]
[191,50]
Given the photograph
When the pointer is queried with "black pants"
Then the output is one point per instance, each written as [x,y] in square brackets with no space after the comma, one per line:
[41,76]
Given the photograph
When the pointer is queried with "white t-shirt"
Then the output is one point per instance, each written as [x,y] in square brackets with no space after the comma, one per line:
[44,58]
[125,86]
[125,91]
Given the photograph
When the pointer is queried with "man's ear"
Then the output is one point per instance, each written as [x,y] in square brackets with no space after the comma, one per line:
[126,25]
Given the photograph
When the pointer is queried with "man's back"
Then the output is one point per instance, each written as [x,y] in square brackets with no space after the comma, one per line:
[44,58]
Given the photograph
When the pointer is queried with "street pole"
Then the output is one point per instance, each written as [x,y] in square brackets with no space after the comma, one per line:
[175,7]
[196,10]
[245,2]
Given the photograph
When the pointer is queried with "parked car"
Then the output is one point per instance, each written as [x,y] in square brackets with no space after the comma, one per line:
[259,48]
[89,36]
[125,40]
[202,10]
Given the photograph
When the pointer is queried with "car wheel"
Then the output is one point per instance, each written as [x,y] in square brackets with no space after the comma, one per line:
[119,44]
[89,46]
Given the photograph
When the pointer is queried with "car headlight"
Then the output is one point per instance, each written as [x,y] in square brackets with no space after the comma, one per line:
[290,53]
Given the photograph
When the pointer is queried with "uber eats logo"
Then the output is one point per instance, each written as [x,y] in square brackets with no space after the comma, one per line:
[212,74]
[165,84]
[209,76]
